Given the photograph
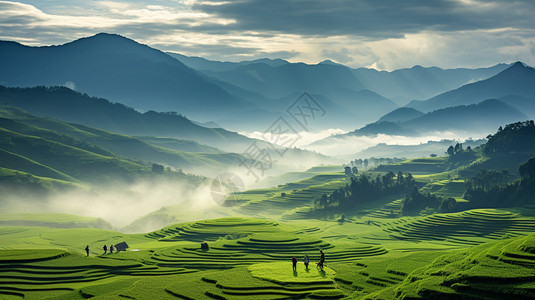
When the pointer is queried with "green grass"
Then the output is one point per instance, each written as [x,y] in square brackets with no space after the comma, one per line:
[52,220]
[486,253]
[417,166]
[498,270]
[281,272]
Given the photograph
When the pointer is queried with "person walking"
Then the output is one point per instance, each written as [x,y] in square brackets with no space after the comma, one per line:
[105,248]
[294,263]
[322,260]
[87,250]
[111,249]
[306,260]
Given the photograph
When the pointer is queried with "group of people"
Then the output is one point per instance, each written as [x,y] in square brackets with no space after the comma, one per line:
[306,261]
[105,248]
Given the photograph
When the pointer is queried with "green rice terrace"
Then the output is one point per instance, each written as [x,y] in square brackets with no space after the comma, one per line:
[376,252]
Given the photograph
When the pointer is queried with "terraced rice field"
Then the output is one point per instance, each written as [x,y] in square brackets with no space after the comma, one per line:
[273,203]
[263,241]
[500,270]
[485,253]
[50,273]
[469,227]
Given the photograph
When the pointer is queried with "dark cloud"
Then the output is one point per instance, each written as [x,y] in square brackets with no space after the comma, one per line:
[227,50]
[374,19]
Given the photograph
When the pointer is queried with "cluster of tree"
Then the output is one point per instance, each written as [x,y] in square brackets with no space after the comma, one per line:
[365,189]
[492,188]
[458,149]
[458,156]
[374,162]
[487,180]
[515,137]
[415,202]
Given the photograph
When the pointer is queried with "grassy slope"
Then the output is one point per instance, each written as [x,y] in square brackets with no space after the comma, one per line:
[108,143]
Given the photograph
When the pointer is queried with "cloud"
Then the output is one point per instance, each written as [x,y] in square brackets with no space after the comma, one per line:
[383,34]
[305,137]
[372,19]
[349,145]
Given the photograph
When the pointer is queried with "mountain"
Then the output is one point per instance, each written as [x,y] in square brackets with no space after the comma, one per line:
[346,101]
[475,119]
[483,117]
[199,63]
[517,80]
[71,106]
[162,132]
[115,67]
[401,114]
[279,81]
[418,82]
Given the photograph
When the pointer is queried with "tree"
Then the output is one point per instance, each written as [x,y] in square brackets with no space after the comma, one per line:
[450,151]
[348,171]
[355,170]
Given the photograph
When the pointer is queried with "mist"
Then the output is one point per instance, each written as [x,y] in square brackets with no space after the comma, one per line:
[341,146]
[120,204]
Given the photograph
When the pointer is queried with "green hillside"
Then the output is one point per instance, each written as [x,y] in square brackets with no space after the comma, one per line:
[111,144]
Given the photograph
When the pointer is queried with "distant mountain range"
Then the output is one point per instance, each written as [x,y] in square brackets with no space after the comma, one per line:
[117,68]
[516,81]
[510,98]
[247,95]
[478,119]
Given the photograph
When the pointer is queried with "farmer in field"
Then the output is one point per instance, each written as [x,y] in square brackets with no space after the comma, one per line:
[322,260]
[294,263]
[87,249]
[306,260]
[105,248]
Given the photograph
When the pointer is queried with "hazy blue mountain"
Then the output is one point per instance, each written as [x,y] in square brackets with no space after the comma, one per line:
[418,82]
[279,81]
[114,67]
[199,63]
[523,104]
[281,85]
[483,117]
[477,119]
[401,114]
[71,106]
[517,80]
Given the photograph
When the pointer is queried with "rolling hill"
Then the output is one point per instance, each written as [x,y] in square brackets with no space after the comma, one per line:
[71,106]
[105,143]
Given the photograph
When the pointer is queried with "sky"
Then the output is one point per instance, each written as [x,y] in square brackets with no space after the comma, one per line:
[380,34]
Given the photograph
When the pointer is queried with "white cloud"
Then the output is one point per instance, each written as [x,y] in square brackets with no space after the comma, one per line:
[467,34]
[305,137]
